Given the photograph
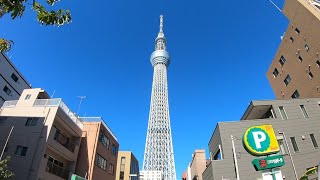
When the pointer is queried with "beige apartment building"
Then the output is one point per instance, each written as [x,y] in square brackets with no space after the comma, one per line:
[197,165]
[127,166]
[98,153]
[50,142]
[46,136]
[12,83]
[295,69]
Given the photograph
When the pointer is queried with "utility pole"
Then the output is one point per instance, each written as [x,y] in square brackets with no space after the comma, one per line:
[5,145]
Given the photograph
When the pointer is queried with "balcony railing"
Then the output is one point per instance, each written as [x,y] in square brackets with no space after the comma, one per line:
[64,141]
[57,170]
[49,103]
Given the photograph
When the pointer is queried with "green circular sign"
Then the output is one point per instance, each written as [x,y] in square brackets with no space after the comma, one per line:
[258,139]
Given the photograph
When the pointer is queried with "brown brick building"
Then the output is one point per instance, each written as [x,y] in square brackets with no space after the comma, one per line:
[295,69]
[98,151]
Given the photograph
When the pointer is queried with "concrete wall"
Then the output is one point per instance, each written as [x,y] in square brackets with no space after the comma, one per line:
[295,126]
[16,88]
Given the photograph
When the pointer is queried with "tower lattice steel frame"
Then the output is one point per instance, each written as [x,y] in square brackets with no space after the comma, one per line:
[158,154]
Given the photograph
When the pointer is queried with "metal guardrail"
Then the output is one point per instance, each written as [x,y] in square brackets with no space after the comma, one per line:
[64,141]
[8,104]
[57,170]
[49,103]
[99,119]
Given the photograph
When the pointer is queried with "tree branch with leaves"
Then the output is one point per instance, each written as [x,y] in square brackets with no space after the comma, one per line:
[16,9]
[4,173]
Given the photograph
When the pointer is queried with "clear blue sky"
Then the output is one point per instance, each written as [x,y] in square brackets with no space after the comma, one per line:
[220,52]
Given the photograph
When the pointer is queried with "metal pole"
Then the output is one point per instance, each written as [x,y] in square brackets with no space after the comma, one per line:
[5,145]
[81,98]
[294,168]
[235,158]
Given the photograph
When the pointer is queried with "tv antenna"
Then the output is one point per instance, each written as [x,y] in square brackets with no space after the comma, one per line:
[81,99]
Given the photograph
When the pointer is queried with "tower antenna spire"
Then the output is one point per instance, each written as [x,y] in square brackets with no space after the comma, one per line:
[161,24]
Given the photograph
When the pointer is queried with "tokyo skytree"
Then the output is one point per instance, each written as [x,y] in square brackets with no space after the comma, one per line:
[158,155]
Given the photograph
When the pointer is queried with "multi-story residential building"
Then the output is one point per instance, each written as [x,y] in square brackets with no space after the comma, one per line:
[198,164]
[295,69]
[127,166]
[12,83]
[296,125]
[45,139]
[98,151]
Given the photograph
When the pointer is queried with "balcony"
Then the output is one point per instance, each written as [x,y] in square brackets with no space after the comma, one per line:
[57,170]
[50,103]
[64,141]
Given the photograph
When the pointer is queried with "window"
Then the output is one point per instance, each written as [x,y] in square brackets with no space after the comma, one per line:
[300,58]
[3,120]
[283,113]
[291,39]
[282,60]
[27,97]
[318,63]
[294,144]
[314,142]
[306,47]
[114,150]
[31,122]
[14,77]
[101,162]
[295,95]
[21,151]
[111,169]
[275,72]
[304,112]
[287,80]
[283,150]
[2,99]
[7,90]
[123,160]
[104,140]
[121,175]
[310,75]
[297,31]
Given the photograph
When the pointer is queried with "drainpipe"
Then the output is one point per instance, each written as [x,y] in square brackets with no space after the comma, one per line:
[294,167]
[235,158]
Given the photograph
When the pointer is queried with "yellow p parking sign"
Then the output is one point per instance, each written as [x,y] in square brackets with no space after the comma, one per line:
[261,140]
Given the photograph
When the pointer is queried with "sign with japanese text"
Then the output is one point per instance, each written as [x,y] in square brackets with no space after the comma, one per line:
[268,162]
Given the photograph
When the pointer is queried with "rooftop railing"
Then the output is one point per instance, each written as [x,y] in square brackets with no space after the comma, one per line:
[99,119]
[49,103]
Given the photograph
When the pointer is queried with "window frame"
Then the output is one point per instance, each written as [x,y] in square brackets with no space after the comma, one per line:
[21,150]
[14,77]
[295,94]
[294,144]
[283,113]
[282,60]
[314,141]
[275,73]
[287,80]
[7,90]
[31,121]
[304,111]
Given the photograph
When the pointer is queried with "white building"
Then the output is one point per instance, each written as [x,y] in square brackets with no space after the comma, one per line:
[12,83]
